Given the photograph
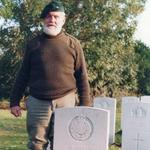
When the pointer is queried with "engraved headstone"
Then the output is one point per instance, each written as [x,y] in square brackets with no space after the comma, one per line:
[136,140]
[108,104]
[127,99]
[135,125]
[81,128]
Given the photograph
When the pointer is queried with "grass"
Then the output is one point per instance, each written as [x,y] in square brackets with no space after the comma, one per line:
[117,137]
[13,134]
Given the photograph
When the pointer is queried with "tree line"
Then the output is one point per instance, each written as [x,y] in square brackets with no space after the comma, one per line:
[115,61]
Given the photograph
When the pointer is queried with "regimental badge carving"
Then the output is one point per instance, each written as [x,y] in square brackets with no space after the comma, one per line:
[138,112]
[81,128]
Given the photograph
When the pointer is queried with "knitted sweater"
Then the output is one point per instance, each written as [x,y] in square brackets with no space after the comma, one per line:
[52,67]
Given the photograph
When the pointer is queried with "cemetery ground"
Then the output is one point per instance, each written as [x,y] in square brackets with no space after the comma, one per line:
[13,134]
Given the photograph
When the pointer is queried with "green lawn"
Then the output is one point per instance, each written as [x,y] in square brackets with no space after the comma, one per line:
[13,134]
[12,131]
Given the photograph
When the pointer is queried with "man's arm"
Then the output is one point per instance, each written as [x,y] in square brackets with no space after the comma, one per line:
[20,85]
[82,79]
[16,111]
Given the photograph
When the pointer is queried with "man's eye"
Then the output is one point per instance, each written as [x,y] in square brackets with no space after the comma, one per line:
[56,17]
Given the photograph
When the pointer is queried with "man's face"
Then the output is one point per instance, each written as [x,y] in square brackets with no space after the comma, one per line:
[54,22]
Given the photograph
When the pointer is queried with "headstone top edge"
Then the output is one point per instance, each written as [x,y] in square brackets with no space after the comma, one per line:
[107,98]
[81,108]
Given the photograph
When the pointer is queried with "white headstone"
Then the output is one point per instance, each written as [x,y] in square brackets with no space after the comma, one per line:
[135,125]
[81,128]
[127,99]
[135,140]
[145,99]
[108,104]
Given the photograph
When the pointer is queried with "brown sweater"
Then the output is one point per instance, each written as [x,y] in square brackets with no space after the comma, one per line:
[52,67]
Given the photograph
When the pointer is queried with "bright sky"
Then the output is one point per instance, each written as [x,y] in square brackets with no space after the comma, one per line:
[143,29]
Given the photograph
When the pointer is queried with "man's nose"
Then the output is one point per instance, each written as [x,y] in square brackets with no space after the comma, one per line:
[52,19]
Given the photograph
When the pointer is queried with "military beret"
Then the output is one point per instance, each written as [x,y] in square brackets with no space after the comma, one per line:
[52,6]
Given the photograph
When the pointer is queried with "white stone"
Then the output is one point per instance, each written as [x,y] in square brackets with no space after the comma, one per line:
[108,104]
[127,99]
[134,140]
[136,115]
[145,99]
[135,125]
[81,128]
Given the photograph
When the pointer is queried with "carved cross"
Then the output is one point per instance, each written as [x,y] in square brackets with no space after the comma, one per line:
[138,140]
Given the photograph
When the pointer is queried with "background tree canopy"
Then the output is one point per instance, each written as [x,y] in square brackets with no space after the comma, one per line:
[143,74]
[104,27]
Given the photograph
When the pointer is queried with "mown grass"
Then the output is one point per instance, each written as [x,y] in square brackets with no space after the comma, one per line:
[13,134]
[117,143]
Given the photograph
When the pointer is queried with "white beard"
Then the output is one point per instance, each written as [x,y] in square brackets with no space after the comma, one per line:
[52,31]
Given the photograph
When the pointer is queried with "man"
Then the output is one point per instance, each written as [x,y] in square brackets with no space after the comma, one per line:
[54,69]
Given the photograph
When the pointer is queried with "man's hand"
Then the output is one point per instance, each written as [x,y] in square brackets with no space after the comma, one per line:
[16,111]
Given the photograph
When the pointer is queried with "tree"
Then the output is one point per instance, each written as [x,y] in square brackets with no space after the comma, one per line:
[105,29]
[21,24]
[143,59]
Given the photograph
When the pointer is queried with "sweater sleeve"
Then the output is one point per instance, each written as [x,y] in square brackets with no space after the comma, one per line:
[81,76]
[21,81]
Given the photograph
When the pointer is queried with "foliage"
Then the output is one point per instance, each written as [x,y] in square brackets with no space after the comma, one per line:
[4,104]
[8,65]
[104,27]
[21,24]
[143,59]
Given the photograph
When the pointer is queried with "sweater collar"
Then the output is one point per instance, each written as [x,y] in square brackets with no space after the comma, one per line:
[52,37]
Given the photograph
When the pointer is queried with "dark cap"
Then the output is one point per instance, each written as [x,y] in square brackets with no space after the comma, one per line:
[52,6]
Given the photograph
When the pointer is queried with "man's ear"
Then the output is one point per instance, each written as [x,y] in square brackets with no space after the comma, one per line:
[64,20]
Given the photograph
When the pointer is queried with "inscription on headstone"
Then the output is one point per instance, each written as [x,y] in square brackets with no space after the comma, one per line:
[138,140]
[81,128]
[135,124]
[138,112]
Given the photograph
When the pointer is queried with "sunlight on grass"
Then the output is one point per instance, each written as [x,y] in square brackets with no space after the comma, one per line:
[13,134]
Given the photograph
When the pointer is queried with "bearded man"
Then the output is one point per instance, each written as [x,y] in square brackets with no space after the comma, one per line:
[54,69]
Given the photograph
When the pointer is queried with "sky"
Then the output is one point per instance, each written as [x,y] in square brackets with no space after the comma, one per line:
[143,28]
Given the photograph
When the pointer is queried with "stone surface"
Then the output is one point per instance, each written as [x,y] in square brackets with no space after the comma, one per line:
[145,99]
[81,128]
[127,99]
[136,115]
[135,140]
[108,104]
[135,125]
